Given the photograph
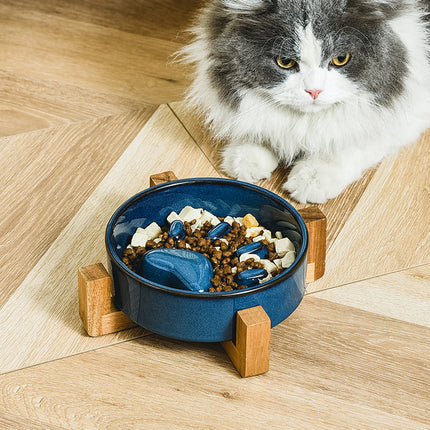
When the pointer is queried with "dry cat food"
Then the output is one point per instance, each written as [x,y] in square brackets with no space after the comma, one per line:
[241,251]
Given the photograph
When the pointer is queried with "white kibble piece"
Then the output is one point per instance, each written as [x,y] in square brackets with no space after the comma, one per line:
[205,216]
[253,231]
[140,230]
[139,239]
[189,213]
[245,257]
[269,265]
[229,219]
[258,238]
[188,246]
[278,263]
[267,278]
[282,246]
[157,240]
[268,236]
[239,219]
[278,235]
[224,241]
[173,216]
[153,230]
[288,259]
[234,270]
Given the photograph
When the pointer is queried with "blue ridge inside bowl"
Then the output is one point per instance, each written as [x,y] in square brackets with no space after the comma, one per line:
[194,315]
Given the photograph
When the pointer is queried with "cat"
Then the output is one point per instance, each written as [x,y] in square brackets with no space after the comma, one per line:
[330,86]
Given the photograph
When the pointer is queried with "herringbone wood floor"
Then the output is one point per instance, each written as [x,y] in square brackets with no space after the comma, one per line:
[90,107]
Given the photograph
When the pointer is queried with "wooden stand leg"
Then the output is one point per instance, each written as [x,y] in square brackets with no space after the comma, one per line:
[160,178]
[98,314]
[251,353]
[316,223]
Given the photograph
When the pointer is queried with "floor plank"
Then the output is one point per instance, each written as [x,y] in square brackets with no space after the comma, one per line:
[404,295]
[325,358]
[389,229]
[90,56]
[164,20]
[46,178]
[11,421]
[48,295]
[29,104]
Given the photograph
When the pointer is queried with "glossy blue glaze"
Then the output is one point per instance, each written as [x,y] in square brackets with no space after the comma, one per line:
[251,277]
[177,229]
[205,316]
[219,231]
[256,248]
[177,268]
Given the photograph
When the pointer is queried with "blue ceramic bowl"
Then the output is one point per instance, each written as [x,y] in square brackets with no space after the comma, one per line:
[204,316]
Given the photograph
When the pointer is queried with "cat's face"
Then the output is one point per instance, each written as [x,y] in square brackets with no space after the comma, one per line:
[308,55]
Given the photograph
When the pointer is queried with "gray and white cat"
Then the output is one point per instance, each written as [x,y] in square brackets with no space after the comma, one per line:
[331,86]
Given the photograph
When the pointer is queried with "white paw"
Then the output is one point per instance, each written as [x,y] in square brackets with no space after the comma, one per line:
[248,162]
[315,181]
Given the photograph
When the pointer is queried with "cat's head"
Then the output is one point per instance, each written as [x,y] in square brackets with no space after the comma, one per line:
[305,54]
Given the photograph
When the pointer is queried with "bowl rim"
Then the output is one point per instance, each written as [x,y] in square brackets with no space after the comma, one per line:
[207,295]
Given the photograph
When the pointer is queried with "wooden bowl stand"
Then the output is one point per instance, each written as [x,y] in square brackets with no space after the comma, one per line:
[251,349]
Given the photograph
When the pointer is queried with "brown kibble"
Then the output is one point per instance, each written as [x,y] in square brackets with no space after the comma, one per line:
[257,265]
[223,246]
[226,269]
[150,244]
[140,250]
[272,255]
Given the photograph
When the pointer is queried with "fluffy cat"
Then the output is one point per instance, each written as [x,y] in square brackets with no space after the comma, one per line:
[331,86]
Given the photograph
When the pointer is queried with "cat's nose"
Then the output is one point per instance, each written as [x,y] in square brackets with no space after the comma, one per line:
[314,93]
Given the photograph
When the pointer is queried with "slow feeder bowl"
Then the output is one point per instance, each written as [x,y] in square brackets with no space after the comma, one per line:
[204,316]
[241,320]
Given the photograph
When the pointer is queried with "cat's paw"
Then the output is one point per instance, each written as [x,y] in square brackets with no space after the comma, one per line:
[315,181]
[248,162]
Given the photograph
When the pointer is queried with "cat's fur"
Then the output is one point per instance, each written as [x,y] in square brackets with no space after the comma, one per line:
[372,106]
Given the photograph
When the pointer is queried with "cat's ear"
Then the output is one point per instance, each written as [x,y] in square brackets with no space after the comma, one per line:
[244,5]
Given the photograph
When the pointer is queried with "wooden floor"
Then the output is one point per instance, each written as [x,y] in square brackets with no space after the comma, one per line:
[90,107]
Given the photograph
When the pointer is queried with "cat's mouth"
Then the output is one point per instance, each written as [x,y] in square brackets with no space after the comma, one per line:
[314,106]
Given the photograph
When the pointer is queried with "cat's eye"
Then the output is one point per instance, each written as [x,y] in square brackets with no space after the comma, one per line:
[341,60]
[285,63]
